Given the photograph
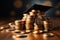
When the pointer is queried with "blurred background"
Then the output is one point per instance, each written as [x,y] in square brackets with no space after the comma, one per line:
[14,9]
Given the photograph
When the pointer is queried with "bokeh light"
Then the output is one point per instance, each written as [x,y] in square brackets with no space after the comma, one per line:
[57,12]
[47,3]
[12,13]
[17,3]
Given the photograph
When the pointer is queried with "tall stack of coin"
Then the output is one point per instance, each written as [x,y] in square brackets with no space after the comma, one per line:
[38,20]
[28,22]
[24,20]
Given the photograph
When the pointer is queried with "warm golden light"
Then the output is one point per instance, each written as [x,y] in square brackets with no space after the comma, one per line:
[35,32]
[7,31]
[31,13]
[1,27]
[22,32]
[17,31]
[45,36]
[45,22]
[27,30]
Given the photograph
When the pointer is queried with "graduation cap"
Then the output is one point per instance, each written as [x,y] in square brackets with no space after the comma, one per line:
[42,8]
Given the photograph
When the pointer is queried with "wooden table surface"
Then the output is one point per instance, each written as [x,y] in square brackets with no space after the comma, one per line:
[8,36]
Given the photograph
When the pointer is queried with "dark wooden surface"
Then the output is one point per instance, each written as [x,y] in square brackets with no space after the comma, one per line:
[8,36]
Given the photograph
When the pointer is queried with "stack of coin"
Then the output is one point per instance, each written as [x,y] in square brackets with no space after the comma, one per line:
[18,25]
[24,21]
[36,29]
[11,25]
[29,24]
[45,26]
[24,17]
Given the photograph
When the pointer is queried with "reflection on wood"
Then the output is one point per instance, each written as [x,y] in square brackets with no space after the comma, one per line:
[31,36]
